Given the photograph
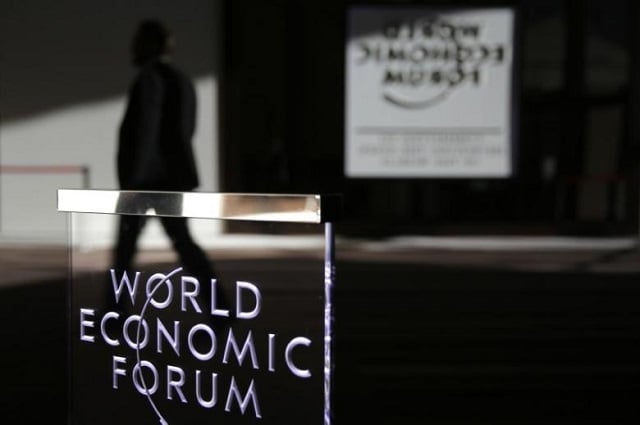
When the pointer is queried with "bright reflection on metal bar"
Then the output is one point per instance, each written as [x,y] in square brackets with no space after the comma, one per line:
[227,206]
[97,200]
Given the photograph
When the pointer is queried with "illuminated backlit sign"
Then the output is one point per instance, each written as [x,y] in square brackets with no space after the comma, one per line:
[429,92]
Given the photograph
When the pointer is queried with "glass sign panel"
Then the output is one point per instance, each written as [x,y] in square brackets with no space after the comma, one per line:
[162,335]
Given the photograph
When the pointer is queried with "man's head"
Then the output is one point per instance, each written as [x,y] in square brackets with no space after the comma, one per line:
[151,41]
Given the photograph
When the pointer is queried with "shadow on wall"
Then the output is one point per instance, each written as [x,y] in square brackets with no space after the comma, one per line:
[58,54]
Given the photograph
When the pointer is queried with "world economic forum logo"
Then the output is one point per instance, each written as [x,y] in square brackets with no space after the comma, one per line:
[423,61]
[169,348]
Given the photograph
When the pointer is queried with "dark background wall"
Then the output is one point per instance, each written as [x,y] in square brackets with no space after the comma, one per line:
[576,96]
[71,52]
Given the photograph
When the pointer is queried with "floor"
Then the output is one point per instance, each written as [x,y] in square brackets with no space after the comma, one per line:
[428,331]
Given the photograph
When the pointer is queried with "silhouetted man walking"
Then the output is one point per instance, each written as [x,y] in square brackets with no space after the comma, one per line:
[154,147]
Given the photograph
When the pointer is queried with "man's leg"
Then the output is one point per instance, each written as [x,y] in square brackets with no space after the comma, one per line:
[129,229]
[193,258]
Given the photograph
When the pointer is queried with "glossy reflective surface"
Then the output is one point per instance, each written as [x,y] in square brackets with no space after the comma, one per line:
[228,206]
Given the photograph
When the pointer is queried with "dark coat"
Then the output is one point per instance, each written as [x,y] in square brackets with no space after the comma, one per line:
[154,147]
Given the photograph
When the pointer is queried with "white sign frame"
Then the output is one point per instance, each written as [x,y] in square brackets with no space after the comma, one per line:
[429,92]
